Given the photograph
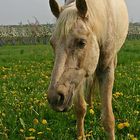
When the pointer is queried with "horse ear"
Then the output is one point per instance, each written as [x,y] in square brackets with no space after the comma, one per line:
[54,8]
[82,7]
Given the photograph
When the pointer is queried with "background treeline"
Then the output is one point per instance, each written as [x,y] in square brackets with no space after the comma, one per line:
[134,31]
[35,33]
[32,33]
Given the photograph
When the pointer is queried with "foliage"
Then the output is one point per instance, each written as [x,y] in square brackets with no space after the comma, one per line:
[33,33]
[24,111]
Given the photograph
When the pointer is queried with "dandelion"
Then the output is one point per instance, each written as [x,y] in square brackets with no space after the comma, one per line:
[40,133]
[3,114]
[88,135]
[21,130]
[49,129]
[120,125]
[138,100]
[32,130]
[35,121]
[80,138]
[90,132]
[132,137]
[91,111]
[117,94]
[123,125]
[136,112]
[46,77]
[44,121]
[126,124]
[30,138]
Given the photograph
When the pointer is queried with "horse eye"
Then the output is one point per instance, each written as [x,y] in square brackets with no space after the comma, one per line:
[81,43]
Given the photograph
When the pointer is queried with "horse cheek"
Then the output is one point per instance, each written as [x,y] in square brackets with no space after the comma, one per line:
[91,61]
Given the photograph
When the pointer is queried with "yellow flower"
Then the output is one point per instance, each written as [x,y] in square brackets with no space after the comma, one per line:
[138,100]
[88,135]
[40,133]
[49,129]
[21,130]
[44,122]
[3,114]
[80,138]
[120,125]
[90,132]
[30,138]
[35,121]
[136,112]
[32,130]
[91,111]
[117,94]
[126,124]
[132,137]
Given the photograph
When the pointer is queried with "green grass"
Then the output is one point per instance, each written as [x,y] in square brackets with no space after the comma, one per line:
[24,77]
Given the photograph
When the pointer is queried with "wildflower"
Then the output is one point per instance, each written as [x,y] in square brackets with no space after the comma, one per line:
[44,122]
[80,137]
[30,138]
[46,77]
[40,133]
[122,125]
[132,137]
[3,114]
[138,100]
[90,132]
[88,135]
[21,130]
[136,112]
[91,111]
[49,129]
[35,121]
[117,94]
[32,130]
[126,124]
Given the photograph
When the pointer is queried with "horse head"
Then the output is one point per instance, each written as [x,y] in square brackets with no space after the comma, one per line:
[76,52]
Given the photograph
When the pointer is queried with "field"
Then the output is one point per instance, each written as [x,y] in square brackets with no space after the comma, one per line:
[24,111]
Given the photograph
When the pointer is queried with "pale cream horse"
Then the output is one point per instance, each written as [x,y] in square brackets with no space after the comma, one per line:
[86,40]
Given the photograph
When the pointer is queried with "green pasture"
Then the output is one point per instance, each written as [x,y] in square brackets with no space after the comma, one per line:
[24,111]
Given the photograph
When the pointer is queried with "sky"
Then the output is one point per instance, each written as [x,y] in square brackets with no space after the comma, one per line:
[16,11]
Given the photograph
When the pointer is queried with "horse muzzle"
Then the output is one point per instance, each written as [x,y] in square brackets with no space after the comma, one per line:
[60,99]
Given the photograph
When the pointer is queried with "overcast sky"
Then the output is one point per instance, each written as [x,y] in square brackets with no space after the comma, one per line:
[16,11]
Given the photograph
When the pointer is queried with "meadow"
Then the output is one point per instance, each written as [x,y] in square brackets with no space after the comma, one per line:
[24,111]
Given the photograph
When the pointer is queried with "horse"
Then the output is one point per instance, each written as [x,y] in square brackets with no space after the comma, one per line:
[88,35]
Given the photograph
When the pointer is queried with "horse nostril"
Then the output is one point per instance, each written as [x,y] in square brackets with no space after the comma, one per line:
[61,98]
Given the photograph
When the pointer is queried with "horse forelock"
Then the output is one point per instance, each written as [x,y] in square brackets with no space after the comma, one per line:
[97,20]
[66,21]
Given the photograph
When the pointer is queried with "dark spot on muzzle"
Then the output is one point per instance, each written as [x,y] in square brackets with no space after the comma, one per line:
[61,99]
